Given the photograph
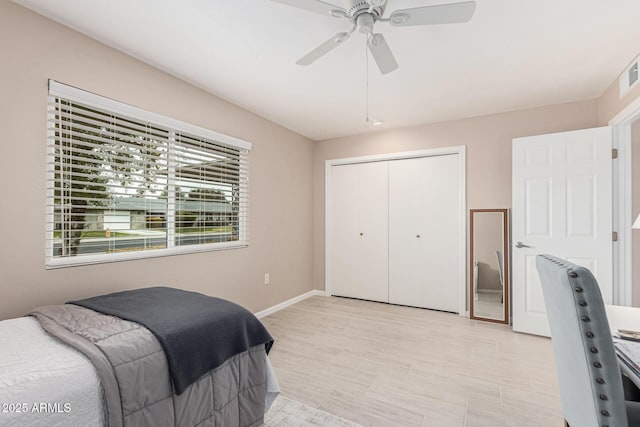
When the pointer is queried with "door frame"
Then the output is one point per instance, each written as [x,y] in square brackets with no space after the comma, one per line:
[622,217]
[461,151]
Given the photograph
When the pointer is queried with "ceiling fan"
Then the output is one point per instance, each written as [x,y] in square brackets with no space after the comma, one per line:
[364,14]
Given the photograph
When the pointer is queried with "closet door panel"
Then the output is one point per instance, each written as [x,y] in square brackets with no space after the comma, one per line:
[359,235]
[424,209]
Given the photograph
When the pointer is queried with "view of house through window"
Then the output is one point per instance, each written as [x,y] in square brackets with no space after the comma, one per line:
[119,185]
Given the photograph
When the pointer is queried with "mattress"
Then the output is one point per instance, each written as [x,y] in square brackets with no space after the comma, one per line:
[44,382]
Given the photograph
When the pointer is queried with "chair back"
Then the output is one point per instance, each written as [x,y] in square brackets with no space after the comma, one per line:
[588,374]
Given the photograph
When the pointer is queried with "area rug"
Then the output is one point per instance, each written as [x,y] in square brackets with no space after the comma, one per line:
[286,412]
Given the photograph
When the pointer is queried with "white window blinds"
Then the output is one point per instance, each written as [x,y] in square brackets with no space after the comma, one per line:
[124,183]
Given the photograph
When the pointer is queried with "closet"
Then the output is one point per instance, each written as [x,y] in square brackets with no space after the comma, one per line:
[395,231]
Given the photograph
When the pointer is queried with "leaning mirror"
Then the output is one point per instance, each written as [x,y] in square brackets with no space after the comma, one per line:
[489,269]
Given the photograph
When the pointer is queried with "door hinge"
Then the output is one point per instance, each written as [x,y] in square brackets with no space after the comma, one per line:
[614,153]
[614,236]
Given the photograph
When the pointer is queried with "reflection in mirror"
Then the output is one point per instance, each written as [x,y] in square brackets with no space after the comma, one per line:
[489,265]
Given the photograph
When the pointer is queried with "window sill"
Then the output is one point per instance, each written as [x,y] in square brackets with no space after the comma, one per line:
[82,260]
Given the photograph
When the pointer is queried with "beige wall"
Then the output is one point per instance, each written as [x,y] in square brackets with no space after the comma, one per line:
[488,141]
[34,49]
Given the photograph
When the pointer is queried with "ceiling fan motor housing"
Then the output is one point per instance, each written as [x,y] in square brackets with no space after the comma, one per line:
[358,7]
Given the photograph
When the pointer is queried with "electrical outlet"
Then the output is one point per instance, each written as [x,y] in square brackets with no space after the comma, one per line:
[266,278]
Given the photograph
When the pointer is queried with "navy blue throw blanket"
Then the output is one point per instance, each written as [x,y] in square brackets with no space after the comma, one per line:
[198,333]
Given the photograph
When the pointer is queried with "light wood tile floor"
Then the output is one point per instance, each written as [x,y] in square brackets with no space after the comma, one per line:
[386,365]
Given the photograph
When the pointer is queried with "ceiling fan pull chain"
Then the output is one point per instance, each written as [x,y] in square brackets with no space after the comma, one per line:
[366,67]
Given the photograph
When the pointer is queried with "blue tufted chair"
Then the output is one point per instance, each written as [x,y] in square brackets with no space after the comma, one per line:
[591,390]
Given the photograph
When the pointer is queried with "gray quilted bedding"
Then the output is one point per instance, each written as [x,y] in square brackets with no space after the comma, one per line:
[135,378]
[197,332]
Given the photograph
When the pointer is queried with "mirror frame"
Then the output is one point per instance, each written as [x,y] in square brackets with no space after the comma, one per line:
[506,264]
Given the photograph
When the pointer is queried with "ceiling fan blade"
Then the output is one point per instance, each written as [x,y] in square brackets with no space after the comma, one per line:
[432,15]
[323,49]
[381,53]
[316,6]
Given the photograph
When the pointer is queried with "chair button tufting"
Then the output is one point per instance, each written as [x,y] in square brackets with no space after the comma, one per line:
[593,350]
[600,380]
[589,334]
[585,318]
[597,364]
[605,412]
[578,289]
[573,274]
[583,303]
[603,397]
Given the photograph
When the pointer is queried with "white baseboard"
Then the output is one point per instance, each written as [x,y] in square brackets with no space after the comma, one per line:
[289,302]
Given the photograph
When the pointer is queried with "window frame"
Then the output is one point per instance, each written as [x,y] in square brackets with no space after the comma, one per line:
[173,126]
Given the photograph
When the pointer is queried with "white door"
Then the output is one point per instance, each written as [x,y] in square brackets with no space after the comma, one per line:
[562,205]
[424,243]
[359,235]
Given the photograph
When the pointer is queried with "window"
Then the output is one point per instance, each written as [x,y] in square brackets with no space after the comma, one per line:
[124,183]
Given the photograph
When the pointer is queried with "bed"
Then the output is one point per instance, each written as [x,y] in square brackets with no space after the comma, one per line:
[72,365]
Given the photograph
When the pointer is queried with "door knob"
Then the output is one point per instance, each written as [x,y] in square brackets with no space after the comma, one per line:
[521,245]
[361,234]
[418,236]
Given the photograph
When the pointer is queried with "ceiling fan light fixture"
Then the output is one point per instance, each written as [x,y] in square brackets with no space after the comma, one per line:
[365,23]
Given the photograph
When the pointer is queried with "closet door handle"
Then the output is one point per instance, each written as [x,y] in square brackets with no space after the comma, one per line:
[361,234]
[417,236]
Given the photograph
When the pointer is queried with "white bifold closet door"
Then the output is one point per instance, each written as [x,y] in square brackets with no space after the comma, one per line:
[359,237]
[395,231]
[424,234]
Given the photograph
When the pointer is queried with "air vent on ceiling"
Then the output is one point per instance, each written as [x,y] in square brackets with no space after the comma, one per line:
[629,77]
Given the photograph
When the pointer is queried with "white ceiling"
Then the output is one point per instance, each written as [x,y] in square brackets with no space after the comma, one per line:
[513,54]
